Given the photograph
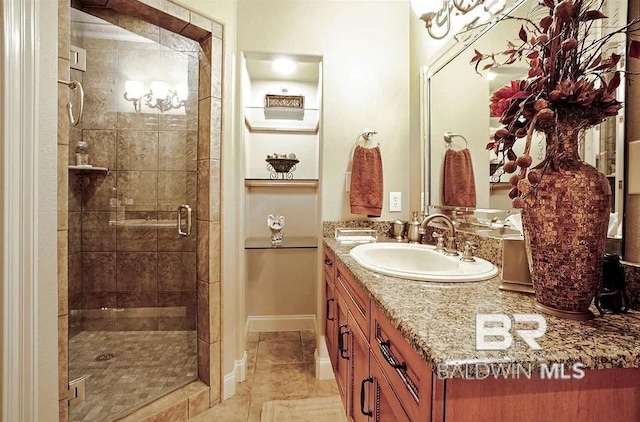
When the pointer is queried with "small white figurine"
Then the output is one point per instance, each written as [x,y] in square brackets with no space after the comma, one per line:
[275,224]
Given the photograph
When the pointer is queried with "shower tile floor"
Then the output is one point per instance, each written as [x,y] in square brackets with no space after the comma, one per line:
[280,366]
[145,366]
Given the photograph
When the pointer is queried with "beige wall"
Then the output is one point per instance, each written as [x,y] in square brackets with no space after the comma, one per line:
[365,49]
[280,282]
[418,55]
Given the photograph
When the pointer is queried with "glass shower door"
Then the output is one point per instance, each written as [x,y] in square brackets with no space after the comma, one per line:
[132,246]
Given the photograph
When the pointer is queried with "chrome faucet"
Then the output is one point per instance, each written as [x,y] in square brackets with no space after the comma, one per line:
[450,249]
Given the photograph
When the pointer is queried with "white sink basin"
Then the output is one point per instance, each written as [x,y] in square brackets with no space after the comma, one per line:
[420,262]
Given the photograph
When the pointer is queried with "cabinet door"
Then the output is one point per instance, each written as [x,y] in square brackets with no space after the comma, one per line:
[343,352]
[329,267]
[361,406]
[388,407]
[331,320]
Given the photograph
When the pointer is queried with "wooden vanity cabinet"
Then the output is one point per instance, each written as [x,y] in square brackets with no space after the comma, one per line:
[382,378]
[331,307]
[379,376]
[353,347]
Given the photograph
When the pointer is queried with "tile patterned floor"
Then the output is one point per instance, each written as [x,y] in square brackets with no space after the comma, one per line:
[145,366]
[280,366]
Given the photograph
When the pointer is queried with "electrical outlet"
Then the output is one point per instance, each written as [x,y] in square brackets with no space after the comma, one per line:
[395,201]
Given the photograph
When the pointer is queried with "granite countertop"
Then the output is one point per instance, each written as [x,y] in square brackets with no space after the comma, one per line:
[438,320]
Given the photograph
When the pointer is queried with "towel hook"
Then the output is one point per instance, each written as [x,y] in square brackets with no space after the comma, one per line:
[73,85]
[448,138]
[366,134]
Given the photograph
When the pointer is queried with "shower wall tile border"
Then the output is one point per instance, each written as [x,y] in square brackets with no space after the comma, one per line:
[203,311]
[62,193]
[214,252]
[63,355]
[216,67]
[64,28]
[214,312]
[62,185]
[202,251]
[204,147]
[203,200]
[63,272]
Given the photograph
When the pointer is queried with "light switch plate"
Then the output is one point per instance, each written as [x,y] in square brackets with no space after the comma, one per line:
[395,201]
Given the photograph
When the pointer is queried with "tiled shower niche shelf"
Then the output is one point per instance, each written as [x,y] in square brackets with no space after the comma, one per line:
[281,183]
[291,242]
[281,119]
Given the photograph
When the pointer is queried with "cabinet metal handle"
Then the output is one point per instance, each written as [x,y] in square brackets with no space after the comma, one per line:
[188,228]
[328,317]
[341,347]
[362,396]
[385,349]
[328,262]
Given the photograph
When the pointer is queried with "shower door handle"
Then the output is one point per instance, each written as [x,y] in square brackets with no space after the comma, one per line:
[186,208]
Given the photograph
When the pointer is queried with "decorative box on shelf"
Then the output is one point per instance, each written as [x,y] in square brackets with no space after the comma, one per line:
[284,101]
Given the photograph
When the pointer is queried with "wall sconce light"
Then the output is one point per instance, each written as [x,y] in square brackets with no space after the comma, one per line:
[160,96]
[437,14]
[134,92]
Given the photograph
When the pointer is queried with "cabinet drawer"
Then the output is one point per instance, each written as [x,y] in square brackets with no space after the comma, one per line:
[328,263]
[358,302]
[387,405]
[409,376]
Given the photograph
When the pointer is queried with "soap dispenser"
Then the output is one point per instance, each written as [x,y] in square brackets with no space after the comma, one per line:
[413,229]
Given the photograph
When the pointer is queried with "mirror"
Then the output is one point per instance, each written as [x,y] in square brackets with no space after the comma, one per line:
[456,100]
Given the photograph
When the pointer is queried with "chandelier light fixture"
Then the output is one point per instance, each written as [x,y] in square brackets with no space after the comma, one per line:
[437,14]
[160,96]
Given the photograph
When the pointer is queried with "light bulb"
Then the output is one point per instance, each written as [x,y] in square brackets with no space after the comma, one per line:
[182,91]
[284,66]
[420,7]
[160,90]
[134,89]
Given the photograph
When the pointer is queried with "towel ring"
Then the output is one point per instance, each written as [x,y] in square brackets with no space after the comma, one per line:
[448,138]
[366,134]
[73,85]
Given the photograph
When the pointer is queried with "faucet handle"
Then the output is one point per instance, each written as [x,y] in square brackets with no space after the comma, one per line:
[467,254]
[439,241]
[451,249]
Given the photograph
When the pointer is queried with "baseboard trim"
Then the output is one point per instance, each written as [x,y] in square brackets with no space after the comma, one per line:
[324,369]
[239,374]
[229,388]
[241,368]
[257,323]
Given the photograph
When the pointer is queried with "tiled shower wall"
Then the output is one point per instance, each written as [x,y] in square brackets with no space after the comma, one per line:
[139,16]
[124,250]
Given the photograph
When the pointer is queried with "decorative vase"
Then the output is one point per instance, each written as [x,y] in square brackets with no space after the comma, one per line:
[565,222]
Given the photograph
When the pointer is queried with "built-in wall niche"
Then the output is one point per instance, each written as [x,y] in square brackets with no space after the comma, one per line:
[282,101]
